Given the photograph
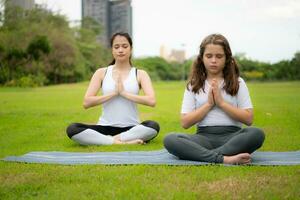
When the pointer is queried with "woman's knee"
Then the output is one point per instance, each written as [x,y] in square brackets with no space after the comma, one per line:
[73,129]
[154,130]
[151,124]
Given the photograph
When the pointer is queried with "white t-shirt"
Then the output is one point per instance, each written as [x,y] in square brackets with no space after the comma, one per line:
[216,116]
[119,111]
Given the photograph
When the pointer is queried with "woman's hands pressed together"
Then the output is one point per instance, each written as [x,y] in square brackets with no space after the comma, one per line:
[119,85]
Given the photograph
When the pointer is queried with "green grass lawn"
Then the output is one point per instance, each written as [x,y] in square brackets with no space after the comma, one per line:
[34,119]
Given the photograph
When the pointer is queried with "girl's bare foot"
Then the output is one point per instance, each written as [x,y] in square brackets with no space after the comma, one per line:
[242,158]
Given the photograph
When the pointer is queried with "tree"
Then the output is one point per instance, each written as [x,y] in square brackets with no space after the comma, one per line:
[295,66]
[160,69]
[38,43]
[95,54]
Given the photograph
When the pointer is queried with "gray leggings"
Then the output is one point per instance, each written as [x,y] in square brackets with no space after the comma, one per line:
[210,143]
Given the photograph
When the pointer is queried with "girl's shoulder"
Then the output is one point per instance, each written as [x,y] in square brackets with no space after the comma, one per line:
[188,87]
[241,80]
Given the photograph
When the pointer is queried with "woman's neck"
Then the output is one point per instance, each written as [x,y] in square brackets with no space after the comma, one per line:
[122,65]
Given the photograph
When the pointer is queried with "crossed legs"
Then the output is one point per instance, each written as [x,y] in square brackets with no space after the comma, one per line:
[103,135]
[232,149]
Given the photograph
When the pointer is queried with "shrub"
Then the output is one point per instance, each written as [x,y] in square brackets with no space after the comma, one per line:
[253,75]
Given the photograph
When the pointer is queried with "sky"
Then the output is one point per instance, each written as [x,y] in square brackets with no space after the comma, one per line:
[267,31]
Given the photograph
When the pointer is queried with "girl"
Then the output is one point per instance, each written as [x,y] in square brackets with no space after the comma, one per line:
[217,100]
[120,84]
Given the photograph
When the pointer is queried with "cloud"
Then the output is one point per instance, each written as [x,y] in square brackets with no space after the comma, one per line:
[288,10]
[273,10]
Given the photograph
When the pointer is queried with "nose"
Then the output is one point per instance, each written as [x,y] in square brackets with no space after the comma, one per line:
[120,50]
[213,59]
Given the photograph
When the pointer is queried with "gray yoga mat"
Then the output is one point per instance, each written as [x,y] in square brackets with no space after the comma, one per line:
[159,157]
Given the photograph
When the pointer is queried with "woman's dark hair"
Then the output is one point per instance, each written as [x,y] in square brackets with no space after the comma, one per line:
[127,36]
[231,71]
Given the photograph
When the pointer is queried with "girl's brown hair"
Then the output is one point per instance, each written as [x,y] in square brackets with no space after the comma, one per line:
[231,71]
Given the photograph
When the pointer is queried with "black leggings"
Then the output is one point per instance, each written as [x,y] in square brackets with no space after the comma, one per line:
[212,142]
[76,128]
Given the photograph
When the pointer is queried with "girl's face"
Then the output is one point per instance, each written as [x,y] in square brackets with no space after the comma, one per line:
[214,59]
[121,49]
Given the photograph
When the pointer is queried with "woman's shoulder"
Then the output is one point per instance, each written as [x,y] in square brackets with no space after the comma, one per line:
[142,75]
[100,72]
[141,72]
[103,69]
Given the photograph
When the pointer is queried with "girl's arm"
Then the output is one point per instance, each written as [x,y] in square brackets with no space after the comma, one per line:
[148,98]
[189,119]
[195,116]
[91,99]
[242,115]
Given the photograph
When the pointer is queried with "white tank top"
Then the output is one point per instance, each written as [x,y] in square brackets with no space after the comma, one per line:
[119,111]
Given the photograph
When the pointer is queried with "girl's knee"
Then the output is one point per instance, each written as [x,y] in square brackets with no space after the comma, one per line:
[170,140]
[257,134]
[260,135]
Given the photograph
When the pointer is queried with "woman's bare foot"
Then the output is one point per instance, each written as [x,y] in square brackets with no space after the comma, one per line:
[116,141]
[242,158]
[137,141]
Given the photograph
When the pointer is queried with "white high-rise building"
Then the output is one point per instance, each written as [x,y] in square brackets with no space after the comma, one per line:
[173,55]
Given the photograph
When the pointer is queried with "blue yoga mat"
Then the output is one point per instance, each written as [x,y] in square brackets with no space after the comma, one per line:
[159,157]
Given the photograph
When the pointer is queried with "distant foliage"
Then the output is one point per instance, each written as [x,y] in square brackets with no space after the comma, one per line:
[160,69]
[38,48]
[283,70]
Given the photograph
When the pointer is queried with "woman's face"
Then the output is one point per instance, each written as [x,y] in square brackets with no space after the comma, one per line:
[214,59]
[121,49]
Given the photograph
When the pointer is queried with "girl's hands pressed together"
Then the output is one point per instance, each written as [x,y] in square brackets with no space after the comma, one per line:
[211,100]
[217,96]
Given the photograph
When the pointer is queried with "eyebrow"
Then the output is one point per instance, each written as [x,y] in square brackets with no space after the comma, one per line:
[121,44]
[214,53]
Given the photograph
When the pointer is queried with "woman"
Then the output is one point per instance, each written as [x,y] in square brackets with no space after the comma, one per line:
[217,100]
[120,84]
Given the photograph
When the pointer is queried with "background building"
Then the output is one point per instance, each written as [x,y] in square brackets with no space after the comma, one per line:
[163,52]
[25,4]
[112,15]
[99,11]
[175,55]
[120,16]
[5,4]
